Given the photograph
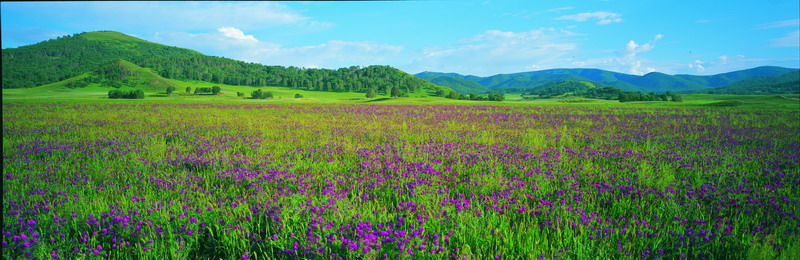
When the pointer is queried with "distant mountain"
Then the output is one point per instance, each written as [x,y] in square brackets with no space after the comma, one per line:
[651,82]
[787,83]
[65,58]
[454,82]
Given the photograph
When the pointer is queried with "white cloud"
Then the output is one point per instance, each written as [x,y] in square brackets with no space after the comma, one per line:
[602,17]
[697,65]
[779,24]
[791,39]
[235,33]
[629,61]
[233,43]
[494,51]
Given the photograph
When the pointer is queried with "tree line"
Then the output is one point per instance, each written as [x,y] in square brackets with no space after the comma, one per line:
[69,56]
[639,96]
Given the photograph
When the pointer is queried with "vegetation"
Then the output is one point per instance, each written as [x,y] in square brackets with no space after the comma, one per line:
[260,94]
[653,82]
[205,90]
[215,180]
[476,97]
[638,96]
[787,83]
[458,84]
[70,56]
[133,94]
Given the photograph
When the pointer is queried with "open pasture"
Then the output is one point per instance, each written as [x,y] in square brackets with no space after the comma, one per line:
[323,181]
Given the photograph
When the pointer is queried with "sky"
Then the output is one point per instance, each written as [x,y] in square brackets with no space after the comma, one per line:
[481,37]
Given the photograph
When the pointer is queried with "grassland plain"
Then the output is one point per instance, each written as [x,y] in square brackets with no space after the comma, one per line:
[224,177]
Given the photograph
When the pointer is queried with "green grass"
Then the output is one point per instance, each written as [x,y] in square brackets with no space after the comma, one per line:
[360,160]
[111,36]
[155,87]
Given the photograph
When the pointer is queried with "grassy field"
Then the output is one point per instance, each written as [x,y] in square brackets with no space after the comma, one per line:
[336,175]
[57,92]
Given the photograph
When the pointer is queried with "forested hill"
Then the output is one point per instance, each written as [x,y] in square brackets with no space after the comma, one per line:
[656,82]
[65,57]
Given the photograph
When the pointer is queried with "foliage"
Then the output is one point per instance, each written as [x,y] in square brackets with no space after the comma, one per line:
[203,90]
[66,57]
[458,84]
[608,93]
[170,89]
[298,96]
[260,94]
[787,83]
[639,96]
[371,93]
[133,94]
[524,82]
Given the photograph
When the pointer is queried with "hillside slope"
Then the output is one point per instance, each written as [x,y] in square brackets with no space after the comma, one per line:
[458,84]
[66,57]
[787,83]
[651,82]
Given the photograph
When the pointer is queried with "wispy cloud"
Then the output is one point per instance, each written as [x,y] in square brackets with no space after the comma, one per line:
[233,43]
[197,16]
[779,24]
[602,17]
[791,39]
[561,9]
[495,51]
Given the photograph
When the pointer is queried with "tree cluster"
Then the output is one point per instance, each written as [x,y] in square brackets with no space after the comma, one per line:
[260,94]
[133,94]
[204,90]
[639,96]
[477,97]
[607,93]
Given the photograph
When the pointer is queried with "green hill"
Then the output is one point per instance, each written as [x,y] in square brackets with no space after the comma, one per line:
[787,83]
[460,85]
[117,74]
[651,82]
[72,56]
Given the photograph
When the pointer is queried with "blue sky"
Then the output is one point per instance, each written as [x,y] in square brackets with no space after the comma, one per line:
[482,37]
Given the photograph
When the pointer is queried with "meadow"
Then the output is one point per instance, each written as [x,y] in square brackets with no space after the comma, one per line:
[469,180]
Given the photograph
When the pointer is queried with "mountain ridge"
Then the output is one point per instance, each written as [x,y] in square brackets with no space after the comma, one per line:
[651,82]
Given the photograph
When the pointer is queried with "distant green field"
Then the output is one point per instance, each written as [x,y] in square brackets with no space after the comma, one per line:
[56,92]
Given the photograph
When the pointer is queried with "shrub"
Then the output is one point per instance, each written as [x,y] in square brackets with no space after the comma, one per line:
[133,94]
[260,94]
